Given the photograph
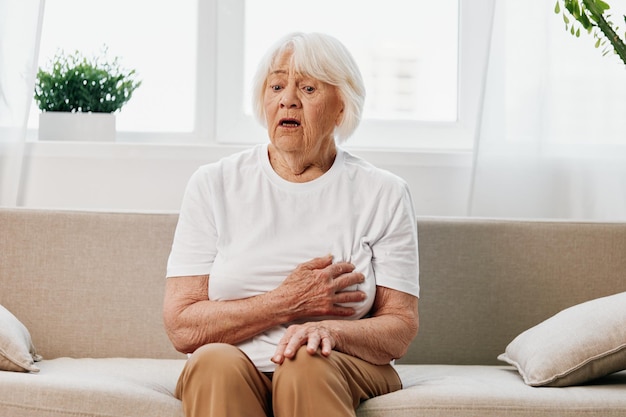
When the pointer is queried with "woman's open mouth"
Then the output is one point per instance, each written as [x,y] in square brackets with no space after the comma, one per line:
[289,123]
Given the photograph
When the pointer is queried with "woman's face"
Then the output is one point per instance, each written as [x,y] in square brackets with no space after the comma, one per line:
[301,112]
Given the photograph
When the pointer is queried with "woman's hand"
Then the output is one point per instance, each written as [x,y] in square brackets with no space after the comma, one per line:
[314,335]
[384,336]
[317,287]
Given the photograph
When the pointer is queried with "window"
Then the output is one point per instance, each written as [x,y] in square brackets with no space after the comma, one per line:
[409,75]
[422,63]
[156,38]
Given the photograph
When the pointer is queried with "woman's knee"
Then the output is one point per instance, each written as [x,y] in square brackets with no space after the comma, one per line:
[214,357]
[216,372]
[215,366]
[314,367]
[311,385]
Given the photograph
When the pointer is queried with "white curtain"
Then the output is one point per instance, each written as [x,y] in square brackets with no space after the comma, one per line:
[20,32]
[552,140]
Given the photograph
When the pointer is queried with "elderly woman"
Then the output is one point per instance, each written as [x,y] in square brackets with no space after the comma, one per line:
[293,276]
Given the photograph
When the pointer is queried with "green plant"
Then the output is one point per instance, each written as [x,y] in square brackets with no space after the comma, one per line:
[593,16]
[74,83]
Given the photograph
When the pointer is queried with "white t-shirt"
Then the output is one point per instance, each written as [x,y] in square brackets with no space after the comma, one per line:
[249,229]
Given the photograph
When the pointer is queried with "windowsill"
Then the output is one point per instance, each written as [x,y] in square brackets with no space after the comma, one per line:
[211,152]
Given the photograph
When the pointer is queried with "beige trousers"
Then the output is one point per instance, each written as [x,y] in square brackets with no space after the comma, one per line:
[220,381]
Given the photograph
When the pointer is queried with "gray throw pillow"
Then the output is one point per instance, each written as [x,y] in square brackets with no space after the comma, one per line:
[576,345]
[17,352]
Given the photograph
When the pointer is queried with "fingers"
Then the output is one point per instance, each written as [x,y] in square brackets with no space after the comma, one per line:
[342,291]
[343,270]
[327,286]
[326,263]
[279,354]
[349,297]
[312,335]
[313,343]
[318,263]
[339,268]
[343,277]
[347,280]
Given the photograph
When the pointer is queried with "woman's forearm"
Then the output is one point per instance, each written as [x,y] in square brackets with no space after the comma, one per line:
[191,320]
[378,340]
[386,335]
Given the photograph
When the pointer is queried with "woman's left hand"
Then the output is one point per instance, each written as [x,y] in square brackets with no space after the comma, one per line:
[380,338]
[312,334]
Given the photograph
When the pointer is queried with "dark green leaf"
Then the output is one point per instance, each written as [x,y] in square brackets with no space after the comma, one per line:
[584,20]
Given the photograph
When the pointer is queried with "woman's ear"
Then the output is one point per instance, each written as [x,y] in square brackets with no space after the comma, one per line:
[339,118]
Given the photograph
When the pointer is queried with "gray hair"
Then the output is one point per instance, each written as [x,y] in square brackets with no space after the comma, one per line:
[321,57]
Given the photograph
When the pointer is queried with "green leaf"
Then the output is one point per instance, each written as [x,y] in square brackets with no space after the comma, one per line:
[576,11]
[598,43]
[557,8]
[584,20]
[578,33]
[565,19]
[602,5]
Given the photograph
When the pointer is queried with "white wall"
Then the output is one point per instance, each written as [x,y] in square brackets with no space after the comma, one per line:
[152,177]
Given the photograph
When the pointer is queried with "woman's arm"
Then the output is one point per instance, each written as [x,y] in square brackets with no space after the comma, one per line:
[191,320]
[312,290]
[384,336]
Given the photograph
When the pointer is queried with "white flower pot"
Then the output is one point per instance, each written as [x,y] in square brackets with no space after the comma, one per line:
[65,126]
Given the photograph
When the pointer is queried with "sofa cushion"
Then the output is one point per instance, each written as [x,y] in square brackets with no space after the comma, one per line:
[574,346]
[492,391]
[115,387]
[17,352]
[119,387]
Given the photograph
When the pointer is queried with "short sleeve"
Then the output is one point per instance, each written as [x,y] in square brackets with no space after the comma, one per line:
[194,246]
[395,254]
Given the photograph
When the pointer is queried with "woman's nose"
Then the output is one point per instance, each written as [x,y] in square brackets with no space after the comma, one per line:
[289,98]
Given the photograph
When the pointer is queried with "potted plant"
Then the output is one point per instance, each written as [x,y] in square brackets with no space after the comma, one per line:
[78,97]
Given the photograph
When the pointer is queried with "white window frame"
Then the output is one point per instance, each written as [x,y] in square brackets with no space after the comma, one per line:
[232,126]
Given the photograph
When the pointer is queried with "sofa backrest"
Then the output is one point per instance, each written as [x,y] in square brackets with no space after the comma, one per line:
[90,284]
[87,284]
[485,281]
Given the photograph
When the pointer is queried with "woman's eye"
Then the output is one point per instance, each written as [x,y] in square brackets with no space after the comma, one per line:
[309,89]
[275,87]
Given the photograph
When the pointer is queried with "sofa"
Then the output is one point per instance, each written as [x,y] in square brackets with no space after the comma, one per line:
[83,290]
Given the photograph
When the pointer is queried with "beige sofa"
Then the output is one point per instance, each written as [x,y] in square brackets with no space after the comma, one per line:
[88,286]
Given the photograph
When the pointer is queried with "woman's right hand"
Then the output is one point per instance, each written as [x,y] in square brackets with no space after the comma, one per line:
[317,288]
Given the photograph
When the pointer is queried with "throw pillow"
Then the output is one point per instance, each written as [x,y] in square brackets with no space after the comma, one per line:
[576,345]
[17,352]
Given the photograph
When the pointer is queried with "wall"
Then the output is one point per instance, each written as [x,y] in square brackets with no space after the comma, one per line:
[153,177]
